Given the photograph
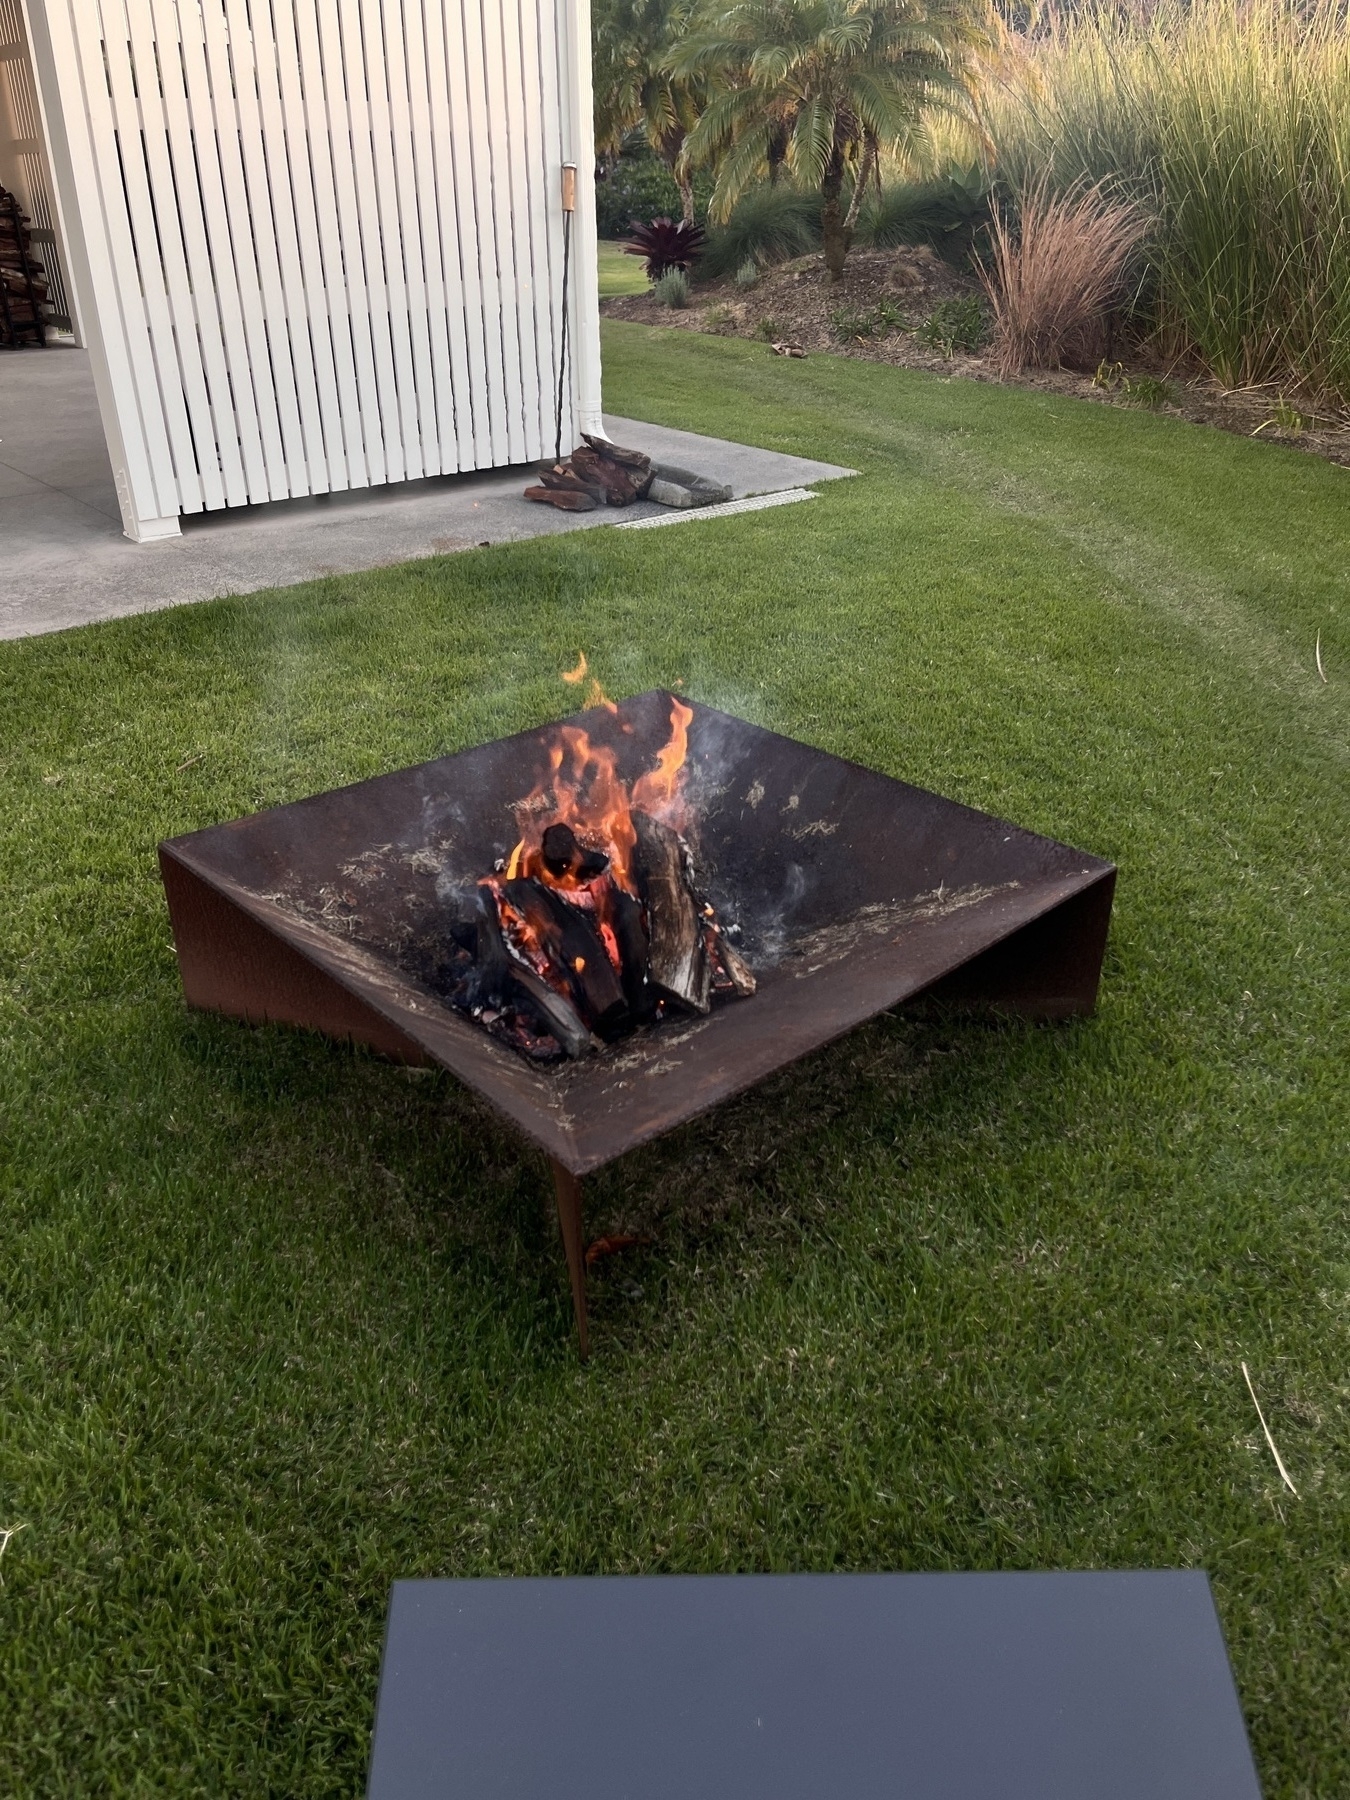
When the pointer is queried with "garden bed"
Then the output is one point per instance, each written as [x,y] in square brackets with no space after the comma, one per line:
[910,309]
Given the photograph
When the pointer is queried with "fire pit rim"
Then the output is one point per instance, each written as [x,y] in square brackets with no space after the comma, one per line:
[548,1106]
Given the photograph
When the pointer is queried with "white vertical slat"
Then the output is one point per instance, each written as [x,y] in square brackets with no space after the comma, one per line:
[290,187]
[513,191]
[156,75]
[498,138]
[300,55]
[268,210]
[543,189]
[445,334]
[459,228]
[201,152]
[130,91]
[579,147]
[402,241]
[237,257]
[474,134]
[366,233]
[214,428]
[98,179]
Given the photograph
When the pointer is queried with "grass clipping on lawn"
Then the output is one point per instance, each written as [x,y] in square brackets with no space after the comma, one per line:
[282,1323]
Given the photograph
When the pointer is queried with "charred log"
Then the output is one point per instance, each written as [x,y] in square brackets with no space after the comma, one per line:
[572,950]
[563,855]
[623,915]
[678,964]
[731,973]
[504,975]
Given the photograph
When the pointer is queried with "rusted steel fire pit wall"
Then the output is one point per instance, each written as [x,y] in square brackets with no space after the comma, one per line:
[853,891]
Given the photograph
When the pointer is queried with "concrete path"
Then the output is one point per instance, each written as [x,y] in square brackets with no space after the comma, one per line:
[64,561]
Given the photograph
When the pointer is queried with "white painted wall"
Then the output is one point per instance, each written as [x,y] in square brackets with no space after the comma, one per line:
[318,244]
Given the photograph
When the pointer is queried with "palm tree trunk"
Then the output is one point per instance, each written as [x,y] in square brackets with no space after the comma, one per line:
[686,188]
[865,168]
[836,233]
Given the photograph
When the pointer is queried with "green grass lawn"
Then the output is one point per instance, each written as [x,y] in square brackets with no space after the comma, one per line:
[281,1322]
[620,273]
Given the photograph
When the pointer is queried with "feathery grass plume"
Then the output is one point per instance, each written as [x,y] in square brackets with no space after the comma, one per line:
[1230,127]
[1054,274]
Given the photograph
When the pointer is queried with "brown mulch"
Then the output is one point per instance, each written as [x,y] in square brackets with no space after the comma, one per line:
[795,303]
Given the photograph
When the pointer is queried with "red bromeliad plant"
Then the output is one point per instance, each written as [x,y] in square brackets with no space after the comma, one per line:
[665,244]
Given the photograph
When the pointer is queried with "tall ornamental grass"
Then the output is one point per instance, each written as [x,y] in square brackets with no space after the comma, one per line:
[1053,278]
[1229,127]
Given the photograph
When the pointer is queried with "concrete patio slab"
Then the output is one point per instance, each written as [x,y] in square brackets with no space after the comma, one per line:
[65,562]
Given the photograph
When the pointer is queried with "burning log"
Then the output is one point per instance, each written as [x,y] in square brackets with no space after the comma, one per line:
[501,969]
[677,962]
[566,949]
[595,923]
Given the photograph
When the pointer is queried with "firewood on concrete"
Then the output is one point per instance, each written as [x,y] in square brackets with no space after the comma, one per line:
[569,480]
[565,500]
[616,453]
[678,962]
[618,484]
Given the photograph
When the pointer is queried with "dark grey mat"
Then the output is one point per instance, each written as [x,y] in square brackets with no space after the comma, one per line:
[1110,1686]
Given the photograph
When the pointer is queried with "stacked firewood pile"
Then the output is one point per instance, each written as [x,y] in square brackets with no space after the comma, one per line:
[23,286]
[597,473]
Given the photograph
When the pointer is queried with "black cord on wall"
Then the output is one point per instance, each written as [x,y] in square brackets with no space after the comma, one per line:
[562,348]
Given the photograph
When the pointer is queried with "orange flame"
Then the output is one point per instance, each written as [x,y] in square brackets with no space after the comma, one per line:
[584,790]
[595,694]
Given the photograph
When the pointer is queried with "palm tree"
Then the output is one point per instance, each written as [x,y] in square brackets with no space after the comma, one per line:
[634,88]
[823,87]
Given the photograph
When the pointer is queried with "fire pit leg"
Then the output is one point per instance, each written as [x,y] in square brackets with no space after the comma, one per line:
[568,1190]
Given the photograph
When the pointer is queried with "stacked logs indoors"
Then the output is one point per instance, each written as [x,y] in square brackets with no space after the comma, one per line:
[596,924]
[23,282]
[597,473]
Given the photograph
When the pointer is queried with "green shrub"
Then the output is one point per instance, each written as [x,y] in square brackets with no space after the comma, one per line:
[747,276]
[956,325]
[673,288]
[849,326]
[770,224]
[1140,390]
[1227,126]
[640,186]
[768,329]
[947,212]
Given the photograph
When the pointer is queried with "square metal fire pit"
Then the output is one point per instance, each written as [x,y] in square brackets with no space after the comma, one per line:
[853,892]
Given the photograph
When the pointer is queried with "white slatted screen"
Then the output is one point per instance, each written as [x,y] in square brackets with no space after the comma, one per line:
[323,239]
